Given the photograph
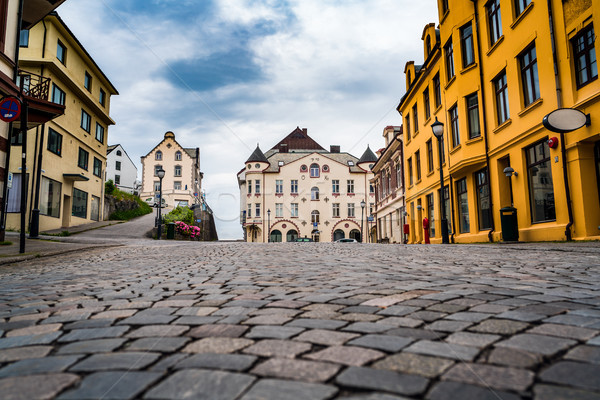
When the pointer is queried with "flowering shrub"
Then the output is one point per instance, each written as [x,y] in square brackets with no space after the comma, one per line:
[187,230]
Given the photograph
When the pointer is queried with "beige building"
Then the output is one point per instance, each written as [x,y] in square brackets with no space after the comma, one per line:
[182,181]
[299,189]
[390,209]
[66,156]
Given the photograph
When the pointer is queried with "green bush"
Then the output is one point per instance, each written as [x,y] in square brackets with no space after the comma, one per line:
[109,187]
[183,214]
[142,209]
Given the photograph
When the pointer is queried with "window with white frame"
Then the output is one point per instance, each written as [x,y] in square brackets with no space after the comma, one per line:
[279,210]
[294,210]
[279,186]
[294,186]
[335,186]
[335,210]
[350,210]
[350,186]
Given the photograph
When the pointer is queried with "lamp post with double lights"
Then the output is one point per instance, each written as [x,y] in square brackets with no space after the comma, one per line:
[438,131]
[362,219]
[161,174]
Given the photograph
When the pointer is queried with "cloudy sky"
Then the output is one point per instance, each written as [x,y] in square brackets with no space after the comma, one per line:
[224,75]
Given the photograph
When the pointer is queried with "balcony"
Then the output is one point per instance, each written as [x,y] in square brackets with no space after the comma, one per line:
[36,89]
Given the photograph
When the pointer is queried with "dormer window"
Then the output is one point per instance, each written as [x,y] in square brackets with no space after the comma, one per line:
[280,163]
[350,163]
[409,78]
[428,45]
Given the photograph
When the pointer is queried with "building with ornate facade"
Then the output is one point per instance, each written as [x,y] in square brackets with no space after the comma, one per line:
[299,189]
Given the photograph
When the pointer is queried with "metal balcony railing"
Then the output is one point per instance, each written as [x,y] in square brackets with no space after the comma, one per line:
[34,85]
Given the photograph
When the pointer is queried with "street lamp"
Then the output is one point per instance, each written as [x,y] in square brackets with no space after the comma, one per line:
[438,131]
[362,219]
[161,175]
[269,225]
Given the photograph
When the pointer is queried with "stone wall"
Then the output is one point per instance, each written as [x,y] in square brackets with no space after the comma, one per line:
[207,224]
[111,205]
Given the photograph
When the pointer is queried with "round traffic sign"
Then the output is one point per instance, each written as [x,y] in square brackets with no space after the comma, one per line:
[10,109]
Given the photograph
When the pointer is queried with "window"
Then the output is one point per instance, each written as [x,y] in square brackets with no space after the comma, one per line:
[467,49]
[87,82]
[446,207]
[82,161]
[314,170]
[102,97]
[410,171]
[117,179]
[95,208]
[529,75]
[279,186]
[335,186]
[350,186]
[14,194]
[79,208]
[50,197]
[54,142]
[407,125]
[294,210]
[426,104]
[520,6]
[119,153]
[449,53]
[249,213]
[444,4]
[463,205]
[86,121]
[335,210]
[177,185]
[437,91]
[279,210]
[158,155]
[98,167]
[58,96]
[415,112]
[484,209]
[541,189]
[429,156]
[494,20]
[257,186]
[118,165]
[418,164]
[177,170]
[177,155]
[584,54]
[454,128]
[61,52]
[294,186]
[250,187]
[156,169]
[24,38]
[350,210]
[428,46]
[257,210]
[314,193]
[99,133]
[431,214]
[473,115]
[156,186]
[501,89]
[372,188]
[314,217]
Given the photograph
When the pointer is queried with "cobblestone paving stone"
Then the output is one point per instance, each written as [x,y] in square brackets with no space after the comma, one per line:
[175,320]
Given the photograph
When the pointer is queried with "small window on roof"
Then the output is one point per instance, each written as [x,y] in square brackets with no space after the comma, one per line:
[351,163]
[280,163]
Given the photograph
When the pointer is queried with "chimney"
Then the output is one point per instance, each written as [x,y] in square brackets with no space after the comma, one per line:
[305,131]
[334,148]
[283,148]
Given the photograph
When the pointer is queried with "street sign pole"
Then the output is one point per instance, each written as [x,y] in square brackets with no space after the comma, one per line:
[23,176]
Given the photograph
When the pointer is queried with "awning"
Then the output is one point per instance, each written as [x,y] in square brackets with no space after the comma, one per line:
[75,177]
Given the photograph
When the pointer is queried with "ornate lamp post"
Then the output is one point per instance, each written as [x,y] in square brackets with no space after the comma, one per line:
[269,225]
[438,131]
[161,175]
[362,219]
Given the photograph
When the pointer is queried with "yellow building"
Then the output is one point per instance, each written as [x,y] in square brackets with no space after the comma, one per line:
[299,189]
[492,98]
[66,157]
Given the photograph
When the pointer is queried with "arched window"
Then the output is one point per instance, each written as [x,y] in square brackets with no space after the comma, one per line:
[276,236]
[158,155]
[177,155]
[428,45]
[338,234]
[314,170]
[178,170]
[314,193]
[291,235]
[119,153]
[314,217]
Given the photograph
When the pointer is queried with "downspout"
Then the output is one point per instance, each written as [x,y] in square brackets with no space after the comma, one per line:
[451,195]
[33,174]
[44,41]
[18,40]
[563,149]
[484,121]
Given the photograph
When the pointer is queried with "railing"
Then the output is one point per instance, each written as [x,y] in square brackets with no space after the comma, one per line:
[34,85]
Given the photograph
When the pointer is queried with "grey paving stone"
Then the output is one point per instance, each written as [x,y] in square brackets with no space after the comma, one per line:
[91,346]
[594,341]
[278,348]
[302,370]
[273,332]
[398,311]
[246,303]
[194,320]
[507,378]
[168,362]
[20,341]
[161,344]
[565,331]
[217,345]
[33,366]
[576,374]
[96,333]
[456,390]
[88,324]
[45,386]
[521,316]
[276,389]
[540,344]
[551,392]
[232,362]
[218,330]
[23,353]
[387,343]
[442,349]
[447,308]
[148,319]
[201,385]
[373,396]
[589,354]
[400,322]
[571,319]
[158,330]
[411,363]
[469,316]
[499,326]
[472,339]
[317,323]
[514,357]
[389,381]
[112,385]
[367,327]
[325,337]
[427,316]
[360,309]
[443,325]
[347,355]
[416,333]
[272,319]
[116,361]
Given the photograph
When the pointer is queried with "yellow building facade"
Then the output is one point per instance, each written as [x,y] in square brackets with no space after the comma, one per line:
[66,157]
[500,67]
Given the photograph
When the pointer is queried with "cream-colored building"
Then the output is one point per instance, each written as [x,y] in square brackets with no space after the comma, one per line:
[182,182]
[299,189]
[66,156]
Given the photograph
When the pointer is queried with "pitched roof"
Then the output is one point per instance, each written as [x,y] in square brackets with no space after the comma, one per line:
[298,139]
[368,156]
[257,156]
[287,158]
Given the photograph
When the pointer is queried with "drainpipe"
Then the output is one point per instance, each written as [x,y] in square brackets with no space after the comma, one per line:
[484,122]
[451,194]
[563,149]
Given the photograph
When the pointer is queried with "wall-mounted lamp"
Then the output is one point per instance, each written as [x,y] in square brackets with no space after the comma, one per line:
[509,171]
[404,213]
[419,207]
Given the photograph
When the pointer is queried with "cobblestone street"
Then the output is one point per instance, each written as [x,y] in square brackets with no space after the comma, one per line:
[165,320]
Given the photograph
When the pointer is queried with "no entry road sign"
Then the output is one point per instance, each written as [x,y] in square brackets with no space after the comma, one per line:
[10,109]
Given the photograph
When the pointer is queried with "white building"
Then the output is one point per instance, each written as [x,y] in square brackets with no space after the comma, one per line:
[120,169]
